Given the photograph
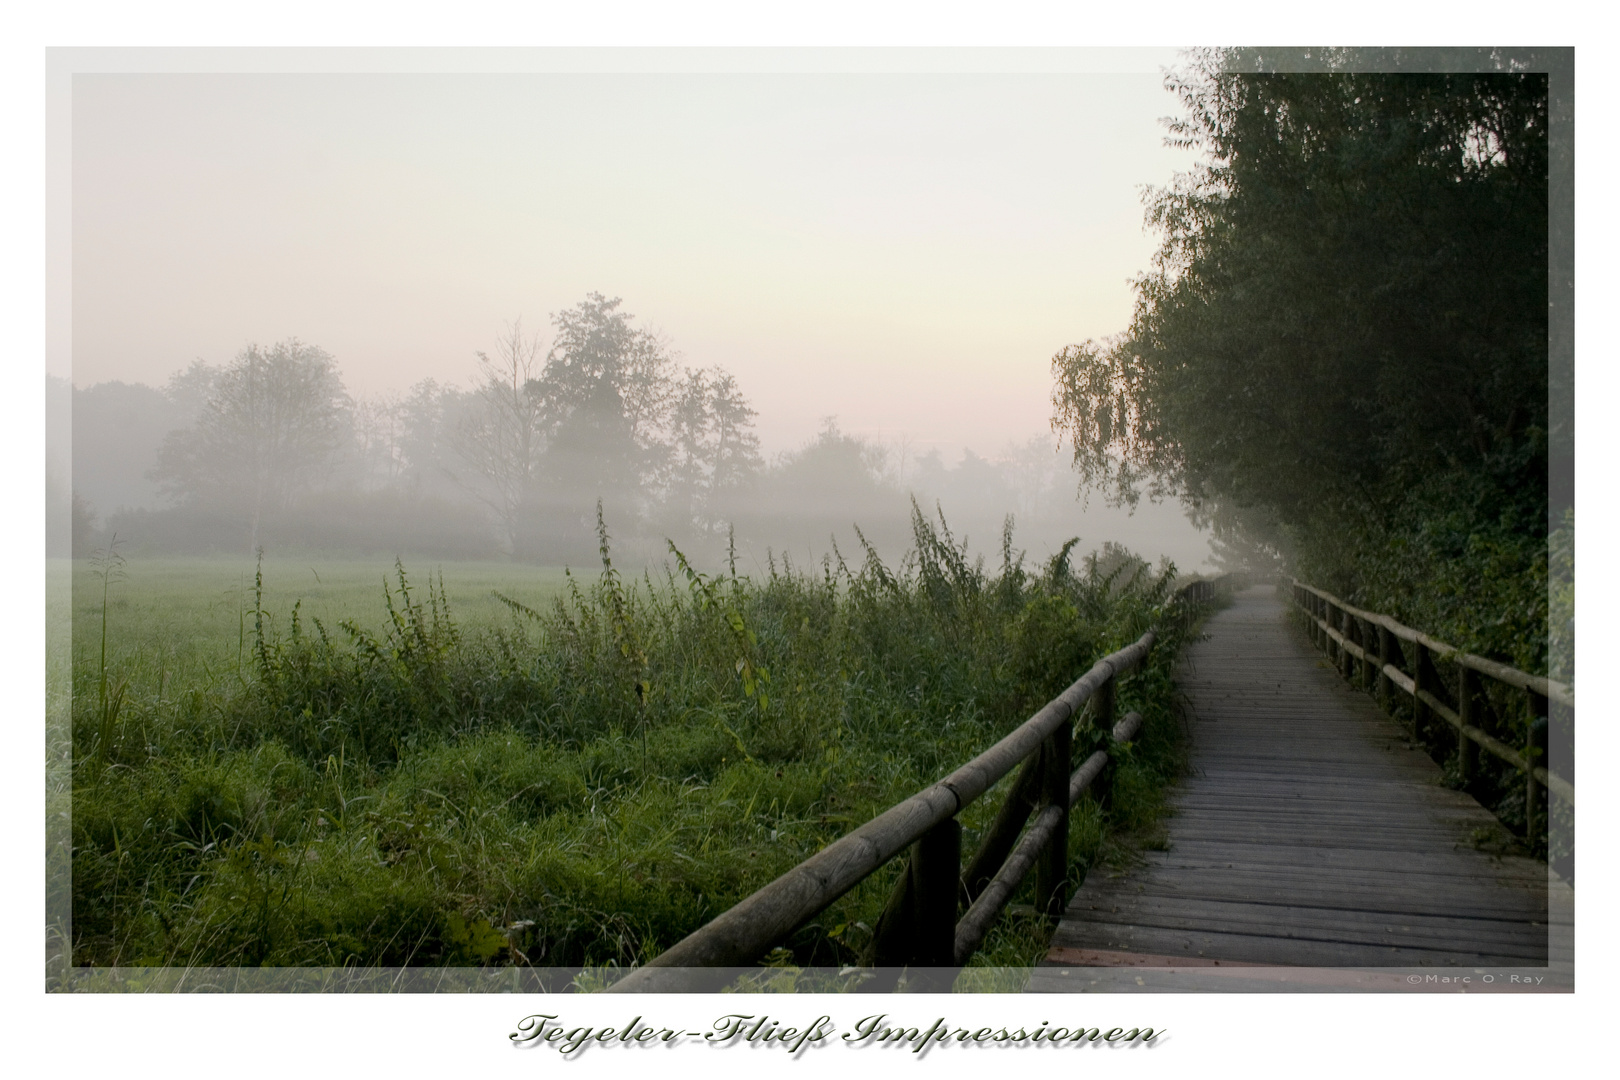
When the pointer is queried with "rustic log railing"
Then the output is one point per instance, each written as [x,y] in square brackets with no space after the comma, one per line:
[1365,646]
[919,928]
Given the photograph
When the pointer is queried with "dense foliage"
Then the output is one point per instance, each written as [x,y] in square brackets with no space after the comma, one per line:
[1340,356]
[588,783]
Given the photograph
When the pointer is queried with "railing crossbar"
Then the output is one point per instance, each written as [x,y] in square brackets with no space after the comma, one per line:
[973,926]
[1550,689]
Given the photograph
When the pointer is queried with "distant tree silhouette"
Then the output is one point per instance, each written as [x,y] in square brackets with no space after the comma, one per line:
[273,421]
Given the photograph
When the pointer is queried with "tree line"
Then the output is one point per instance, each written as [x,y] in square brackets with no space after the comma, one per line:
[1340,355]
[272,449]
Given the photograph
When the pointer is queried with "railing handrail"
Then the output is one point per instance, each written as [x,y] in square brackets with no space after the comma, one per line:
[740,934]
[1551,689]
[1334,633]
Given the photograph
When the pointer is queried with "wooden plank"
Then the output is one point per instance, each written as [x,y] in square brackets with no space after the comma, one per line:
[1450,823]
[1327,923]
[1341,946]
[1456,903]
[1345,838]
[1200,855]
[1103,971]
[1191,912]
[1441,820]
[1323,951]
[1225,874]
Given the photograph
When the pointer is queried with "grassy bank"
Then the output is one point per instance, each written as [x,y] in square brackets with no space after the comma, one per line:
[315,782]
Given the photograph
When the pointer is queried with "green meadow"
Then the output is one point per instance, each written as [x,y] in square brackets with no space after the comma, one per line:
[191,619]
[344,763]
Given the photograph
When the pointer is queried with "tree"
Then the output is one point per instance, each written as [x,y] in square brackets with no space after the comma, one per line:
[1344,335]
[832,473]
[691,424]
[379,440]
[832,483]
[714,456]
[503,437]
[1033,469]
[189,389]
[1353,283]
[273,420]
[737,459]
[605,394]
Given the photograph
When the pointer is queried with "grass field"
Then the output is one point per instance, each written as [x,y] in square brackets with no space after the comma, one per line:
[317,772]
[189,621]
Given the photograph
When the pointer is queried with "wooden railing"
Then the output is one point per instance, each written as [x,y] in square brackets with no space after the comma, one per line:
[919,928]
[1366,647]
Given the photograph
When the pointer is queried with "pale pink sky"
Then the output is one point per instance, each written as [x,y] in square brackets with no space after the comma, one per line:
[905,251]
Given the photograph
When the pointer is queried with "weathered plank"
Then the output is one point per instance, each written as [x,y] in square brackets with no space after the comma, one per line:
[1313,840]
[1290,946]
[1198,856]
[1107,972]
[1327,923]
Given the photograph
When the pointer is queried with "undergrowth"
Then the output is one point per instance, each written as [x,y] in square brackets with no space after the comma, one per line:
[589,782]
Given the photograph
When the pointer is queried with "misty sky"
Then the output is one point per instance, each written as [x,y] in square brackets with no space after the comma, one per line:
[903,251]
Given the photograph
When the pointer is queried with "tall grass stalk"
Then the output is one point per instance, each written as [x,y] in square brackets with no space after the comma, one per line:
[107,564]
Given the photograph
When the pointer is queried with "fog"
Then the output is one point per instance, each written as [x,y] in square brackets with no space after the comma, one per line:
[269,450]
[361,313]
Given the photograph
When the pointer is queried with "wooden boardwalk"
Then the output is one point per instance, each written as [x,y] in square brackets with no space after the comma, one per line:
[1311,848]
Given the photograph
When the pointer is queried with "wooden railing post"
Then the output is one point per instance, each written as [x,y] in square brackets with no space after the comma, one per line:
[1347,627]
[1102,718]
[1468,713]
[917,927]
[1352,636]
[1370,670]
[1331,622]
[1104,706]
[1386,656]
[1422,679]
[1342,625]
[1053,868]
[936,868]
[1535,752]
